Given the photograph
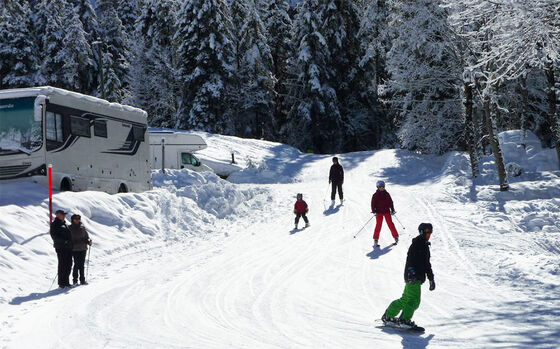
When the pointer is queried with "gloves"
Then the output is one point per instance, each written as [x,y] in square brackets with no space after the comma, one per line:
[90,242]
[295,212]
[306,210]
[432,285]
[393,212]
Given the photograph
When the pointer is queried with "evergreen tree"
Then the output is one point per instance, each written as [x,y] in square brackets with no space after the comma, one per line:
[155,84]
[18,60]
[257,80]
[205,62]
[78,62]
[342,21]
[378,128]
[128,11]
[114,52]
[90,73]
[426,75]
[279,27]
[50,25]
[314,120]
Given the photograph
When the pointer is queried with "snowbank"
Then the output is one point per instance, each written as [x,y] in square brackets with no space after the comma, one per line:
[184,205]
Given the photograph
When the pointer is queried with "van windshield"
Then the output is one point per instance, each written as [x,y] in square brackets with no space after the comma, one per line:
[19,132]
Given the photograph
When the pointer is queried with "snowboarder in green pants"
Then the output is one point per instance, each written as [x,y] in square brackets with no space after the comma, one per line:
[415,271]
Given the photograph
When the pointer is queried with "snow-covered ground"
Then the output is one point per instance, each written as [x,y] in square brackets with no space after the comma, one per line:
[200,262]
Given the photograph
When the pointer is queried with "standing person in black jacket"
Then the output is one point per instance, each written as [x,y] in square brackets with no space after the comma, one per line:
[62,239]
[336,178]
[80,242]
[417,267]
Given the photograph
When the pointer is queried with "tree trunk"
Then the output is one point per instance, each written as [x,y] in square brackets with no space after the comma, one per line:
[495,144]
[552,110]
[524,108]
[469,129]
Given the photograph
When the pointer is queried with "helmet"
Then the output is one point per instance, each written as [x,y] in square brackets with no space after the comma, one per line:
[380,184]
[299,196]
[425,228]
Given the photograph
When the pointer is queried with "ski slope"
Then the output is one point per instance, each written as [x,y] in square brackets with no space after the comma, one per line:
[200,262]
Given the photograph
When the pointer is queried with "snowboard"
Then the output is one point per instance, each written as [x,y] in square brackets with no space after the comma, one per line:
[396,327]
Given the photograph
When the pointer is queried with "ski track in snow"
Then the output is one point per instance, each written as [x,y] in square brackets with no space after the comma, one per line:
[263,285]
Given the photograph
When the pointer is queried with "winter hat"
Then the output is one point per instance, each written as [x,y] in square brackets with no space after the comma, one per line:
[380,184]
[425,228]
[299,196]
[75,216]
[335,159]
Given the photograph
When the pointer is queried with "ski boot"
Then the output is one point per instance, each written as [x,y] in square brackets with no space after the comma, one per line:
[295,228]
[396,240]
[410,325]
[375,243]
[389,321]
[332,203]
[307,224]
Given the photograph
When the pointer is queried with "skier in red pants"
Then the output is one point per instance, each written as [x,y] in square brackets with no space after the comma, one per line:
[382,207]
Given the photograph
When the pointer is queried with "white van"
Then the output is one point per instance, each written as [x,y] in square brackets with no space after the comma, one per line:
[92,144]
[174,150]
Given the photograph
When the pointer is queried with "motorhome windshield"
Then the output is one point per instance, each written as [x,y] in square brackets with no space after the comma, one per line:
[19,132]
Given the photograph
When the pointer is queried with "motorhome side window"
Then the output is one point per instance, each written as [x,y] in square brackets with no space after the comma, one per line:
[54,127]
[138,133]
[80,126]
[100,128]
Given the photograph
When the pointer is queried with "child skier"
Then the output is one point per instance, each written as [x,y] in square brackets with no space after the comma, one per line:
[382,206]
[300,210]
[415,271]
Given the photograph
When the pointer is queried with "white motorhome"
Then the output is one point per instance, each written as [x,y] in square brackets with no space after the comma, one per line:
[174,150]
[92,144]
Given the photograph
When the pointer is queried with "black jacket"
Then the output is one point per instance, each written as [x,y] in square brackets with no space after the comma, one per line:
[61,235]
[337,174]
[418,261]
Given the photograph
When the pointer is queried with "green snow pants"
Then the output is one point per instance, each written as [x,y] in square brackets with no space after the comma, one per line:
[408,303]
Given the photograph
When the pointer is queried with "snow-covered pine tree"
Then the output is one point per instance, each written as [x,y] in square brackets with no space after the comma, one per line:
[50,29]
[89,75]
[114,52]
[341,24]
[128,11]
[18,60]
[257,80]
[279,27]
[425,76]
[314,121]
[154,72]
[205,64]
[238,12]
[76,71]
[372,74]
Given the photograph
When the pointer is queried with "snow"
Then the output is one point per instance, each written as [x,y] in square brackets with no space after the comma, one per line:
[48,90]
[200,262]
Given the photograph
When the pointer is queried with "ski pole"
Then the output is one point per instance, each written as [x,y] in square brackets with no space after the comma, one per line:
[87,265]
[325,195]
[359,231]
[52,283]
[400,222]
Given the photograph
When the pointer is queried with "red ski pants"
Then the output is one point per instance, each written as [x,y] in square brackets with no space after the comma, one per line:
[389,220]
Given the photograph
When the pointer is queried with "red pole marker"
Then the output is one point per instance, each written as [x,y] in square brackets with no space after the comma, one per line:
[50,193]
